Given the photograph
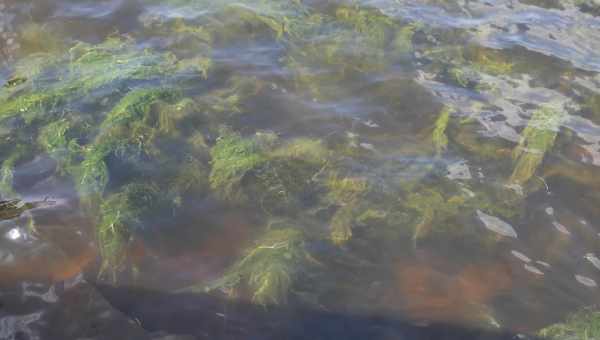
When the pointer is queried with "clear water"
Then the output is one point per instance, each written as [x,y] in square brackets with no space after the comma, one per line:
[258,169]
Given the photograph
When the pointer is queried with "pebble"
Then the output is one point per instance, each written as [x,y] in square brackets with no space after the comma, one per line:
[561,228]
[496,225]
[533,269]
[520,256]
[594,260]
[586,281]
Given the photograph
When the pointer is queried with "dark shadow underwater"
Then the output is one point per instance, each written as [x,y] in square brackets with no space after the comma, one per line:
[209,317]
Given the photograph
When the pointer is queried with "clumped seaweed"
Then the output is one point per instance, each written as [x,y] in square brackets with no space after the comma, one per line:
[355,41]
[268,272]
[232,158]
[135,207]
[246,169]
[89,67]
[347,194]
[106,113]
[124,134]
[19,154]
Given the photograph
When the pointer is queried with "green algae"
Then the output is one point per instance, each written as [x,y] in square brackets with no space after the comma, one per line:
[120,135]
[93,66]
[436,208]
[59,140]
[20,153]
[355,41]
[89,67]
[232,158]
[582,325]
[431,207]
[122,213]
[228,102]
[439,138]
[347,194]
[145,148]
[252,169]
[138,110]
[268,272]
[346,190]
[536,139]
[489,61]
[136,105]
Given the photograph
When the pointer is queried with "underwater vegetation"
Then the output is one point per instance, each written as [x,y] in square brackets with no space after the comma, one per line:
[267,273]
[256,169]
[536,139]
[584,324]
[347,194]
[347,138]
[98,108]
[440,140]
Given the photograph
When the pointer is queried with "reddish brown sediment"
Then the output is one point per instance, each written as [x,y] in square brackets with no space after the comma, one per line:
[426,294]
[209,258]
[43,268]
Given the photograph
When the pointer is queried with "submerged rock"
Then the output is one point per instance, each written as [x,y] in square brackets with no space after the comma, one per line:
[496,225]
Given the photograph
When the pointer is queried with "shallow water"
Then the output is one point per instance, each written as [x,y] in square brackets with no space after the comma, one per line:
[264,169]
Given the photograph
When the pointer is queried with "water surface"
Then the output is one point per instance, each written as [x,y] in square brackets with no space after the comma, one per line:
[265,169]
